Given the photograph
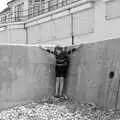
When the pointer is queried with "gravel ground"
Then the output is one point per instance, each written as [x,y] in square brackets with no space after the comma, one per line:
[51,108]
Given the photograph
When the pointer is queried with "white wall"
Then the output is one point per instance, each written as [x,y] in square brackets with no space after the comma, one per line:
[65,41]
[83,22]
[89,25]
[17,36]
[103,29]
[13,34]
[54,30]
[4,36]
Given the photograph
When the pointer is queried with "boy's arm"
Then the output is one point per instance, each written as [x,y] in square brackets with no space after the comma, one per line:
[72,51]
[48,50]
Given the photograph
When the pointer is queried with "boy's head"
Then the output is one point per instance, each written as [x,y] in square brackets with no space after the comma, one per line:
[65,49]
[58,49]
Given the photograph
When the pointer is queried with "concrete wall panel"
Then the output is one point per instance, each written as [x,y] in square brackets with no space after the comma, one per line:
[112,9]
[50,31]
[33,34]
[26,73]
[88,77]
[83,22]
[67,41]
[61,27]
[40,33]
[4,36]
[17,36]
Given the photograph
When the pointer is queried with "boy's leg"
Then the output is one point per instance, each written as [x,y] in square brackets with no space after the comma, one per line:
[57,86]
[61,86]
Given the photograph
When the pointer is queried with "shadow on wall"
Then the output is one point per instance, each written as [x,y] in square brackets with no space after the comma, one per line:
[94,73]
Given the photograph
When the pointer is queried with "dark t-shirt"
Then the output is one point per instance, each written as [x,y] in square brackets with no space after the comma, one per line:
[61,59]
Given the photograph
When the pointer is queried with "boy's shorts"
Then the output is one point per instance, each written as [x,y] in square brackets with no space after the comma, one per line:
[60,71]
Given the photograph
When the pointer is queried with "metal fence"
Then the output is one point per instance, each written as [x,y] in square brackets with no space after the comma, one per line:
[34,11]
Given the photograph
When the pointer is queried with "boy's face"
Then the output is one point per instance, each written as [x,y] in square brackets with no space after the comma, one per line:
[58,51]
[65,48]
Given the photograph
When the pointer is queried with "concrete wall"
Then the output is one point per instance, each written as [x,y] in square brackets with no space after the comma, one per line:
[4,36]
[26,73]
[92,21]
[104,29]
[17,36]
[90,24]
[51,32]
[57,27]
[13,35]
[88,77]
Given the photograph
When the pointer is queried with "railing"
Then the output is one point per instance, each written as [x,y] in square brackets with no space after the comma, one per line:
[32,12]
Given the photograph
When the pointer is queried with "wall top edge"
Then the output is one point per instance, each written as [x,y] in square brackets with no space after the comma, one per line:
[36,45]
[107,0]
[9,24]
[25,45]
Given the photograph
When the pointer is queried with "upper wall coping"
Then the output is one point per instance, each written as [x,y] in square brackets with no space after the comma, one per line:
[18,25]
[107,0]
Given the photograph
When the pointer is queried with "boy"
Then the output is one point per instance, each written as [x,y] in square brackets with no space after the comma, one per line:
[62,63]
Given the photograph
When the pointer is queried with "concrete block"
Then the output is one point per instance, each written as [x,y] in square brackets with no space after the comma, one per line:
[26,74]
[89,78]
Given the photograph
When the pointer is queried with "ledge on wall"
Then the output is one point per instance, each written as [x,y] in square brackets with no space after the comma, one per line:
[107,0]
[17,25]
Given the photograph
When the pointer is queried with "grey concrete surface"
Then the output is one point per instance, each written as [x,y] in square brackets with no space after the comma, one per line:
[88,77]
[26,74]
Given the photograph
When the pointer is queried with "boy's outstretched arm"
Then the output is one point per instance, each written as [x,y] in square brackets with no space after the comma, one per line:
[74,49]
[71,51]
[48,50]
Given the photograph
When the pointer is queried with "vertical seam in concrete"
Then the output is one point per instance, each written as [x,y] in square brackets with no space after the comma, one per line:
[26,34]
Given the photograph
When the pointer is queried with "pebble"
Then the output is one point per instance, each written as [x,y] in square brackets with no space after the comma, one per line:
[51,108]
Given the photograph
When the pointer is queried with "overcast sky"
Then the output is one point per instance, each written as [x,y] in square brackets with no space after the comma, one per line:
[3,4]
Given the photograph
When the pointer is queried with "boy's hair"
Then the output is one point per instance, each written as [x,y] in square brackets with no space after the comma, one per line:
[58,47]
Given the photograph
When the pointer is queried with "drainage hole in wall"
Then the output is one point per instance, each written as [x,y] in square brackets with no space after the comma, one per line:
[111,75]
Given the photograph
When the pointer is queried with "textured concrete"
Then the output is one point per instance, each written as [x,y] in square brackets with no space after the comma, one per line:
[26,73]
[88,77]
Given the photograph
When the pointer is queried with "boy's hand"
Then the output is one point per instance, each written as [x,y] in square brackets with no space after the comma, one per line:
[48,50]
[73,50]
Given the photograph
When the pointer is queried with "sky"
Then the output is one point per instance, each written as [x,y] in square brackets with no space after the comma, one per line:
[3,4]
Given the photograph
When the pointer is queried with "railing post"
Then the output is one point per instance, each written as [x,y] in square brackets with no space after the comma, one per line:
[72,34]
